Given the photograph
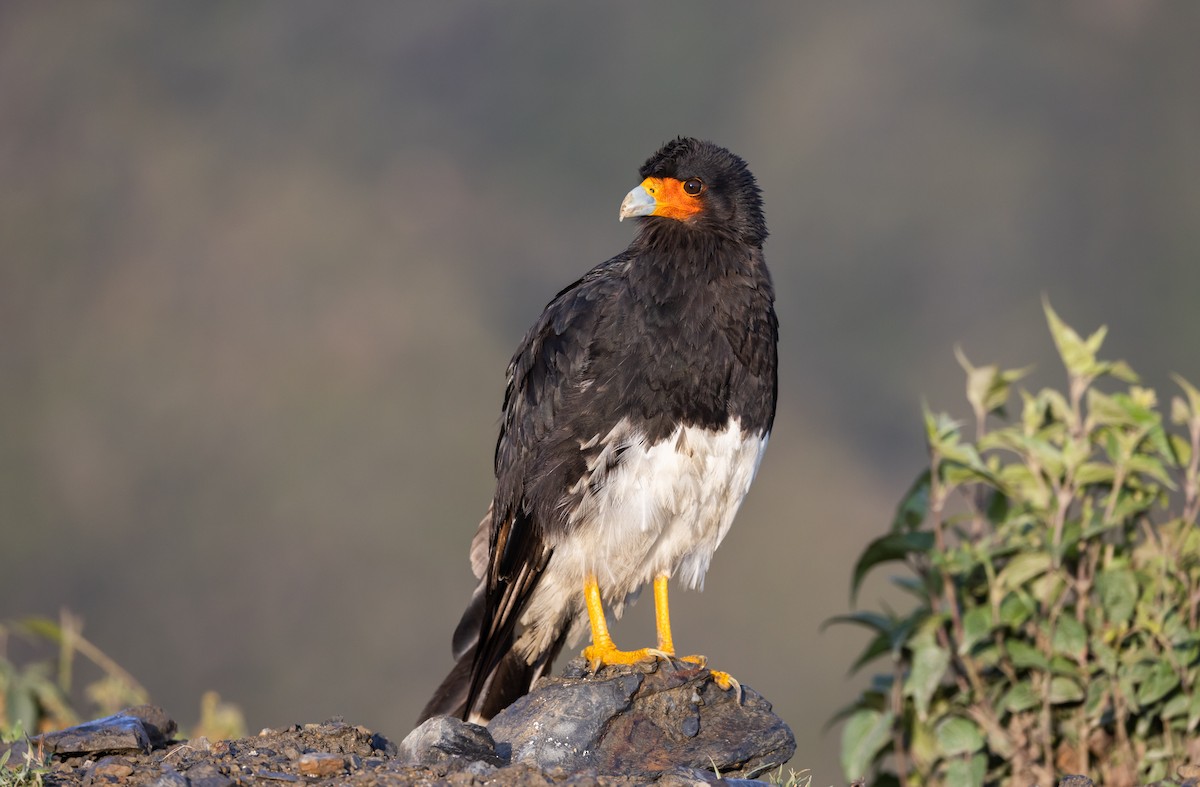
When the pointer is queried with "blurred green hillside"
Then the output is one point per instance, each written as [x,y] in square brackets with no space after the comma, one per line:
[262,268]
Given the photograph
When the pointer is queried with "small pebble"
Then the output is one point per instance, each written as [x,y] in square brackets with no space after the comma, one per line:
[114,767]
[278,776]
[321,764]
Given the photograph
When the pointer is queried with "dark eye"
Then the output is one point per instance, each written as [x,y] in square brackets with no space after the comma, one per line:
[693,186]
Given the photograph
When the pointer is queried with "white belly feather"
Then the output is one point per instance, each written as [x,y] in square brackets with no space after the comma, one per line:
[664,508]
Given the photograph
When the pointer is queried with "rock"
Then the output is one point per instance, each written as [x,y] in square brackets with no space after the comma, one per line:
[134,730]
[643,721]
[118,734]
[169,777]
[160,727]
[207,775]
[1075,780]
[109,770]
[321,764]
[381,744]
[447,740]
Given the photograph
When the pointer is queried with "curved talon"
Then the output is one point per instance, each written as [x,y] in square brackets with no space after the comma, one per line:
[726,681]
[699,661]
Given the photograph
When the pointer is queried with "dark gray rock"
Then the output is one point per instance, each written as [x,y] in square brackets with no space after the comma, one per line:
[207,774]
[447,740]
[1075,780]
[132,731]
[112,734]
[160,727]
[169,777]
[644,721]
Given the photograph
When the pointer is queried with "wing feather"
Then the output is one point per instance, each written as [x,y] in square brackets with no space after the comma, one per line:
[538,458]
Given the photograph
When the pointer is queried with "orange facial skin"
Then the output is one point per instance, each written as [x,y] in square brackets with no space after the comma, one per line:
[671,200]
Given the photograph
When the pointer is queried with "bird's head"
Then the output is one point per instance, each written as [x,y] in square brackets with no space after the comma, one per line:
[702,185]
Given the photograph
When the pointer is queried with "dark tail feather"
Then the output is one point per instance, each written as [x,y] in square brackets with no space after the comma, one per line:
[451,696]
[510,679]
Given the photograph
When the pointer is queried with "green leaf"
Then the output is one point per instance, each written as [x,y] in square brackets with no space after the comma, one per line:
[1022,568]
[967,772]
[914,586]
[1175,707]
[1016,608]
[1070,637]
[1094,473]
[1023,655]
[1105,655]
[42,627]
[22,705]
[1105,410]
[913,507]
[1193,398]
[929,664]
[1118,592]
[865,735]
[1180,447]
[941,431]
[879,645]
[977,625]
[957,735]
[1161,680]
[868,700]
[1061,665]
[1097,697]
[987,386]
[1122,371]
[890,547]
[876,621]
[1078,356]
[1148,465]
[1193,713]
[1063,690]
[1021,697]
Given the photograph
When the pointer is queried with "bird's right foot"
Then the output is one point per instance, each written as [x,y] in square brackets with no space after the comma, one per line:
[603,655]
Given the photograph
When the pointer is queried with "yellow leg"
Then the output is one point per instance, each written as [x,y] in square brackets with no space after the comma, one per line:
[662,615]
[602,650]
[662,620]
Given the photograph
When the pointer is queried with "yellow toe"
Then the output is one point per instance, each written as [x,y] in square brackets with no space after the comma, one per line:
[598,656]
[726,682]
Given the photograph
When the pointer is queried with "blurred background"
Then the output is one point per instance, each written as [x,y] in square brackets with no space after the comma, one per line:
[262,268]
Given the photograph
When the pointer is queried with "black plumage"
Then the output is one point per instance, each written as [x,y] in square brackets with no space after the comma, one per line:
[636,410]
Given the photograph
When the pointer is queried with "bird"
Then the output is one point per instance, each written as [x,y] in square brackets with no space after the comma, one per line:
[636,412]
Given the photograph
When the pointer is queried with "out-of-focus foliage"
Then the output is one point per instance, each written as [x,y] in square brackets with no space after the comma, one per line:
[219,720]
[39,694]
[27,772]
[36,696]
[1055,563]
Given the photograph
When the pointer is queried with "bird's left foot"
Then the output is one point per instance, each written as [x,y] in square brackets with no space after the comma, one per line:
[723,679]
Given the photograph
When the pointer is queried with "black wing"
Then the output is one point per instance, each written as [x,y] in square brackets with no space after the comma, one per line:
[538,454]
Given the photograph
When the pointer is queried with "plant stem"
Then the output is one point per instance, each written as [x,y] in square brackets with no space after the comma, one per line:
[937,503]
[899,753]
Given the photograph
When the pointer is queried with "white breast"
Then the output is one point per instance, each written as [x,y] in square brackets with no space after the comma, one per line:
[663,508]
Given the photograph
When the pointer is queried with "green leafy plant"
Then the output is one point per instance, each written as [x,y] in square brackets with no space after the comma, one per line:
[28,771]
[36,696]
[1055,564]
